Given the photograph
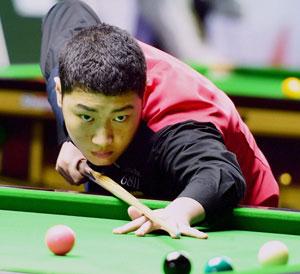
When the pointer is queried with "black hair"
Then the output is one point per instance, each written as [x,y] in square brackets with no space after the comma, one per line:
[103,59]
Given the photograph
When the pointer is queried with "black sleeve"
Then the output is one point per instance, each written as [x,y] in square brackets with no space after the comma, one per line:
[62,134]
[194,157]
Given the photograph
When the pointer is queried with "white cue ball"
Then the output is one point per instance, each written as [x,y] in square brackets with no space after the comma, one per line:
[273,253]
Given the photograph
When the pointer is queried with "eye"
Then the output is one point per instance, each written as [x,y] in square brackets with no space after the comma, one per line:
[86,118]
[121,118]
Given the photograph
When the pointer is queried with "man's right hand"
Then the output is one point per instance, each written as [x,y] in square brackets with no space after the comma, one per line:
[71,164]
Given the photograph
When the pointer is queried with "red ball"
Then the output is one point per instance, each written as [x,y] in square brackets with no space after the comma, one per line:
[60,239]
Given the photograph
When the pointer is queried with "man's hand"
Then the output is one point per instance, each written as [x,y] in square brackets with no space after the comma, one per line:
[180,214]
[71,164]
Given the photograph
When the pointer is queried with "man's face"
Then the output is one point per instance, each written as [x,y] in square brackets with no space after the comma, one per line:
[101,126]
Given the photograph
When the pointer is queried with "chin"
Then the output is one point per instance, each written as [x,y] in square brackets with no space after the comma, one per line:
[101,162]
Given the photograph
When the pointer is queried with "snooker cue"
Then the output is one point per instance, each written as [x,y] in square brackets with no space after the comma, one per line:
[114,188]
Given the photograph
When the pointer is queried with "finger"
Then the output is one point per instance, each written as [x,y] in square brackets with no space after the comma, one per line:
[131,226]
[192,232]
[74,172]
[87,169]
[134,213]
[83,167]
[76,176]
[147,227]
[63,169]
[62,172]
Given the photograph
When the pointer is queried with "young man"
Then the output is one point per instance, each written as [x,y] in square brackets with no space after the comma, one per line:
[149,122]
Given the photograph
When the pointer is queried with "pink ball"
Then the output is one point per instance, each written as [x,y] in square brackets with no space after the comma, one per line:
[60,239]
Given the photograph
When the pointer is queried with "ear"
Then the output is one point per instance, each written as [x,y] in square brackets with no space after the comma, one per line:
[58,91]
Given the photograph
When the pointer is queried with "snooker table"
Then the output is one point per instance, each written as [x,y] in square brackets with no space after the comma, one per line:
[26,215]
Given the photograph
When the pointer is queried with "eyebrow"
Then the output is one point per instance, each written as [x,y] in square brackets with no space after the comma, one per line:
[123,108]
[86,108]
[95,110]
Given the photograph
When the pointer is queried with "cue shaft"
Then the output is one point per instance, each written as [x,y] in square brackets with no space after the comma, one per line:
[114,188]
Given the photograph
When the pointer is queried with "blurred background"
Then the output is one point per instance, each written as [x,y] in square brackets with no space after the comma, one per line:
[248,48]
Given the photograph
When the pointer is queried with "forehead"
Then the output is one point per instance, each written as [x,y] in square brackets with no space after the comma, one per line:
[98,100]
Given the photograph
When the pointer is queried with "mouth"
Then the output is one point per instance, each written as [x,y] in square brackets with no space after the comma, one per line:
[102,154]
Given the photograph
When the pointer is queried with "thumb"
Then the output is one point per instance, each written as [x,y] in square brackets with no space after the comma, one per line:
[83,167]
[134,213]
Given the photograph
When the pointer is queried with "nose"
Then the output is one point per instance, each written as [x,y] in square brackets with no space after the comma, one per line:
[102,137]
